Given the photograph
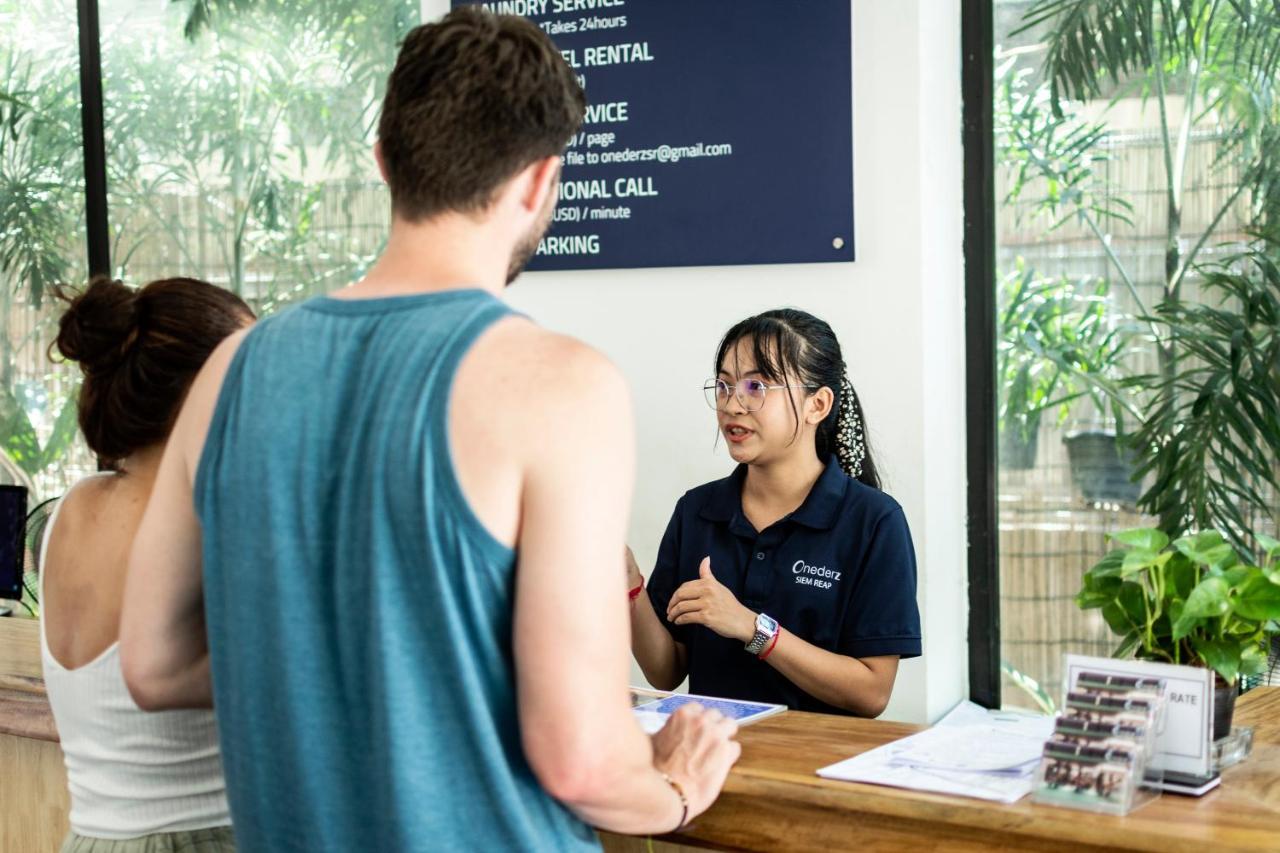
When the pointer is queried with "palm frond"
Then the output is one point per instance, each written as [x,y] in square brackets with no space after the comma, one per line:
[1091,42]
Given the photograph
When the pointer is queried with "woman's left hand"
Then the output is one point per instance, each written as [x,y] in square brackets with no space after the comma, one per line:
[708,602]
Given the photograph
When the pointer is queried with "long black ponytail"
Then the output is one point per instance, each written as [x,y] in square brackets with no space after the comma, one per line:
[787,342]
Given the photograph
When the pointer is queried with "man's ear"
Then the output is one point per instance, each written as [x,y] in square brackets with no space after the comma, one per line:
[382,165]
[539,181]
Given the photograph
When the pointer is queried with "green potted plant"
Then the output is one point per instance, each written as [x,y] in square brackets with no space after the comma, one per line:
[1191,601]
[1051,330]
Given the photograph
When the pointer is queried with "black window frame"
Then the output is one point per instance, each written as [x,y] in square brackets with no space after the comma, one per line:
[97,225]
[977,49]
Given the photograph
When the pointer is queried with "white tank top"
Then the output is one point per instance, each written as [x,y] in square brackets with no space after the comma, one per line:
[130,772]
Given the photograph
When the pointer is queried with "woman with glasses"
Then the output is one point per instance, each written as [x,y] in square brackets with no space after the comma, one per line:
[793,580]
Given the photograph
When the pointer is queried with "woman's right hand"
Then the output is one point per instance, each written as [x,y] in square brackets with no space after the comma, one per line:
[634,578]
[696,748]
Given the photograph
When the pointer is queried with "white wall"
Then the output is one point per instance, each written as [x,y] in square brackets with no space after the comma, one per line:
[898,312]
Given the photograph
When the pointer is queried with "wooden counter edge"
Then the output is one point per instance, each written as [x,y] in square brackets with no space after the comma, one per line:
[754,806]
[760,801]
[24,708]
[831,805]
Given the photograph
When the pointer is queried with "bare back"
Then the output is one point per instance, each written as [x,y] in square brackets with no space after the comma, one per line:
[85,565]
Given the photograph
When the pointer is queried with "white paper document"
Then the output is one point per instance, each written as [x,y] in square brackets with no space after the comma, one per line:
[971,752]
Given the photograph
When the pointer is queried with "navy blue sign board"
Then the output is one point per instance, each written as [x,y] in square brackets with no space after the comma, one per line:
[717,132]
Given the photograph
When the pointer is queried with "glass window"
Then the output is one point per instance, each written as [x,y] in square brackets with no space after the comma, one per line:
[1118,195]
[239,150]
[42,241]
[239,140]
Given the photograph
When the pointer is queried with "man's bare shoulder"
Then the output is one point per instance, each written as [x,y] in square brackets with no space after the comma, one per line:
[531,405]
[197,410]
[547,371]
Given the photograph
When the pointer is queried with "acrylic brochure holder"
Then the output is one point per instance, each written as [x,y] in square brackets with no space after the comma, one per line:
[1098,758]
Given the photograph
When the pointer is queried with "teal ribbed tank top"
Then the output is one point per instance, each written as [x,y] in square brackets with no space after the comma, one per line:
[359,616]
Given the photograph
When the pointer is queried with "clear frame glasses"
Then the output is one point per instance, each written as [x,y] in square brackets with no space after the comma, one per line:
[751,393]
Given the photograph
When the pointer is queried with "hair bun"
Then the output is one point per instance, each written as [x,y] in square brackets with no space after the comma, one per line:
[99,326]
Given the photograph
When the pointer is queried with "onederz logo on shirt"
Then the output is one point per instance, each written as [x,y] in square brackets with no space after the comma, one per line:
[817,576]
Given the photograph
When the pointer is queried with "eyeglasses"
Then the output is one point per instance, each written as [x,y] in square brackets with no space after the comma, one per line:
[751,393]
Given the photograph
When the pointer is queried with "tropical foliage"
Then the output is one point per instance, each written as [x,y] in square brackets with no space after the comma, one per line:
[238,137]
[1203,422]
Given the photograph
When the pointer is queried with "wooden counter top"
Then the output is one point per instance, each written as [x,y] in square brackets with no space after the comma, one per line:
[773,799]
[23,709]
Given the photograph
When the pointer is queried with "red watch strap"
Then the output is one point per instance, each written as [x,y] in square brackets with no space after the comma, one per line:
[772,643]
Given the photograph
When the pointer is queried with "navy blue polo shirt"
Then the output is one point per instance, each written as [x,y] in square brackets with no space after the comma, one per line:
[839,572]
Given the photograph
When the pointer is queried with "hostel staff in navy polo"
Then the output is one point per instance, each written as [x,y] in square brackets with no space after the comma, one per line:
[839,572]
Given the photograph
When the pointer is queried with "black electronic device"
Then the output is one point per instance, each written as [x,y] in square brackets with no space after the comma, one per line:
[13,524]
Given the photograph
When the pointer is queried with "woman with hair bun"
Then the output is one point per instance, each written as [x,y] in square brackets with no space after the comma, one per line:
[138,781]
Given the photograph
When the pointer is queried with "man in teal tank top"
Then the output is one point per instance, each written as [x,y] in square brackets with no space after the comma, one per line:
[386,539]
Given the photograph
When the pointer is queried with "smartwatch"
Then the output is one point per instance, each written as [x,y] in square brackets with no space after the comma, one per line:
[766,630]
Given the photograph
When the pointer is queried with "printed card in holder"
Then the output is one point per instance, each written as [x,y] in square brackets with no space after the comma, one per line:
[1182,741]
[1133,718]
[1076,729]
[1096,778]
[1099,757]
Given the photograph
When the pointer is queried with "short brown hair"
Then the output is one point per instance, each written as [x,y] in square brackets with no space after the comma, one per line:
[473,99]
[139,351]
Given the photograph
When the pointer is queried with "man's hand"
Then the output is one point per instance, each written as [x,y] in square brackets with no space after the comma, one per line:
[708,602]
[696,748]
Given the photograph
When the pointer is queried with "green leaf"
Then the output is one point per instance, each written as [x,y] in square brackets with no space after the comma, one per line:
[1236,576]
[1175,614]
[1258,599]
[1109,566]
[1207,601]
[1144,538]
[1270,547]
[1113,614]
[1108,586]
[1140,559]
[1221,556]
[1253,659]
[1222,656]
[1092,600]
[1132,599]
[1209,598]
[1199,543]
[1208,549]
[1127,645]
[1181,576]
